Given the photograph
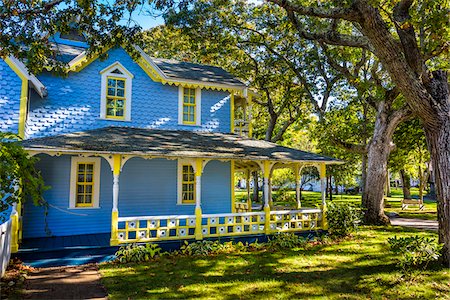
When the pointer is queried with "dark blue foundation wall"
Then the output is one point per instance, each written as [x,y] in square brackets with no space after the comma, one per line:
[147,188]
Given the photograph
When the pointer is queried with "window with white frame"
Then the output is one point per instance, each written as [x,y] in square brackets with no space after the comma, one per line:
[84,182]
[116,90]
[186,182]
[189,106]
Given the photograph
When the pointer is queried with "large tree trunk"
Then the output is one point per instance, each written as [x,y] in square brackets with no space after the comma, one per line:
[255,187]
[406,184]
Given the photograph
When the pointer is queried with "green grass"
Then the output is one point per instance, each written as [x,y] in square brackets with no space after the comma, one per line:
[311,199]
[360,268]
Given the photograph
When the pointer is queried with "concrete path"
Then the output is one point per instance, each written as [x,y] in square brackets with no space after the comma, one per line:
[415,223]
[80,282]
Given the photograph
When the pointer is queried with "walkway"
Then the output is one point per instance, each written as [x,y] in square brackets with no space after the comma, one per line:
[415,223]
[81,282]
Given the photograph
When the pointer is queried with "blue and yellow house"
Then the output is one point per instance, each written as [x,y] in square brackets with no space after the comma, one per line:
[143,149]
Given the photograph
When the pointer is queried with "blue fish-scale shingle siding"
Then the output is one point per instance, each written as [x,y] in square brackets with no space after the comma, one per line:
[73,103]
[147,188]
[10,89]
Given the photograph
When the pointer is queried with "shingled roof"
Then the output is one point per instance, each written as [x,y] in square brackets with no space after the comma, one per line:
[184,70]
[171,143]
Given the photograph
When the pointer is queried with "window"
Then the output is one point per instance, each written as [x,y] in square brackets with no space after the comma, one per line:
[189,106]
[85,182]
[186,182]
[116,93]
[115,99]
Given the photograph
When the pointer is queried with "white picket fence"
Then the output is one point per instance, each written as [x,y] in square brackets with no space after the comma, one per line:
[5,245]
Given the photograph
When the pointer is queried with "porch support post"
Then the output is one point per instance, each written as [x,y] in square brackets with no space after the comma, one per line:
[266,175]
[15,229]
[323,177]
[198,193]
[115,211]
[249,200]
[297,170]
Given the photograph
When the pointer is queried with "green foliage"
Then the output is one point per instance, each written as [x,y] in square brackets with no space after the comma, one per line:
[285,241]
[211,247]
[342,218]
[414,252]
[137,253]
[19,178]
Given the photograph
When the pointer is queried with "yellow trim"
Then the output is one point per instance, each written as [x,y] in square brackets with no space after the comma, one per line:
[114,241]
[233,196]
[188,182]
[323,170]
[324,217]
[198,223]
[232,113]
[23,97]
[198,167]
[117,161]
[189,105]
[267,220]
[116,98]
[249,108]
[266,169]
[85,184]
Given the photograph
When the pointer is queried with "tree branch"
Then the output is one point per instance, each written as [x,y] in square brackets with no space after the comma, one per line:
[349,14]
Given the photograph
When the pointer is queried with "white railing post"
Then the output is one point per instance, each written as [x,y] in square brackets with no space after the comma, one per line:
[249,200]
[266,174]
[198,193]
[5,245]
[115,210]
[298,178]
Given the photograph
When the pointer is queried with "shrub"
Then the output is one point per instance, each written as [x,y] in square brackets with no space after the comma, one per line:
[285,241]
[201,248]
[137,253]
[415,251]
[342,218]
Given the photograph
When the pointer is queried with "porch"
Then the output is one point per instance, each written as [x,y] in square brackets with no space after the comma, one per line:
[211,210]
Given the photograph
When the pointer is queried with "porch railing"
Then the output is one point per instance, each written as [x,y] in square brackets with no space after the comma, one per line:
[161,228]
[5,245]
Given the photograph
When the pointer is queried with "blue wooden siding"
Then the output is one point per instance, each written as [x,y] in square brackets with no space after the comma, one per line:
[147,187]
[73,103]
[10,89]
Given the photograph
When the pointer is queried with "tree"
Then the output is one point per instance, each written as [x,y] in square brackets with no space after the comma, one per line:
[410,39]
[19,179]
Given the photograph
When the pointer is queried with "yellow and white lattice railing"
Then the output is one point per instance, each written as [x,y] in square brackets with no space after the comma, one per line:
[215,225]
[155,228]
[295,220]
[161,228]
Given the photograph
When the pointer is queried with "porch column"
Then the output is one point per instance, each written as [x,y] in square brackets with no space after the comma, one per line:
[323,178]
[115,211]
[297,170]
[15,229]
[198,193]
[249,200]
[266,175]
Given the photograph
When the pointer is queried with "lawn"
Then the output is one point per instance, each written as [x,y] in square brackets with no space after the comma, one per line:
[358,268]
[311,199]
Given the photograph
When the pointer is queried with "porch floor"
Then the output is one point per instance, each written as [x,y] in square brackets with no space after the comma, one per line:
[66,250]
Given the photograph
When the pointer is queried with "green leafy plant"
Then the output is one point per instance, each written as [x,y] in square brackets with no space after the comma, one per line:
[414,252]
[19,178]
[137,253]
[285,241]
[342,218]
[201,248]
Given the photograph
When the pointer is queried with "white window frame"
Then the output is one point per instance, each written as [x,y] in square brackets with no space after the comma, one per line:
[198,106]
[73,181]
[182,162]
[128,90]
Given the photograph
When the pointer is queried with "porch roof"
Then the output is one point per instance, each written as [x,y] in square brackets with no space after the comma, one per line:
[171,143]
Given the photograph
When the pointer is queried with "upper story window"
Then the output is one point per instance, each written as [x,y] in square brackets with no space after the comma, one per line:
[189,111]
[116,93]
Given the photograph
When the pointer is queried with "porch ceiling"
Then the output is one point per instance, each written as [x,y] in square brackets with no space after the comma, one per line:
[171,144]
